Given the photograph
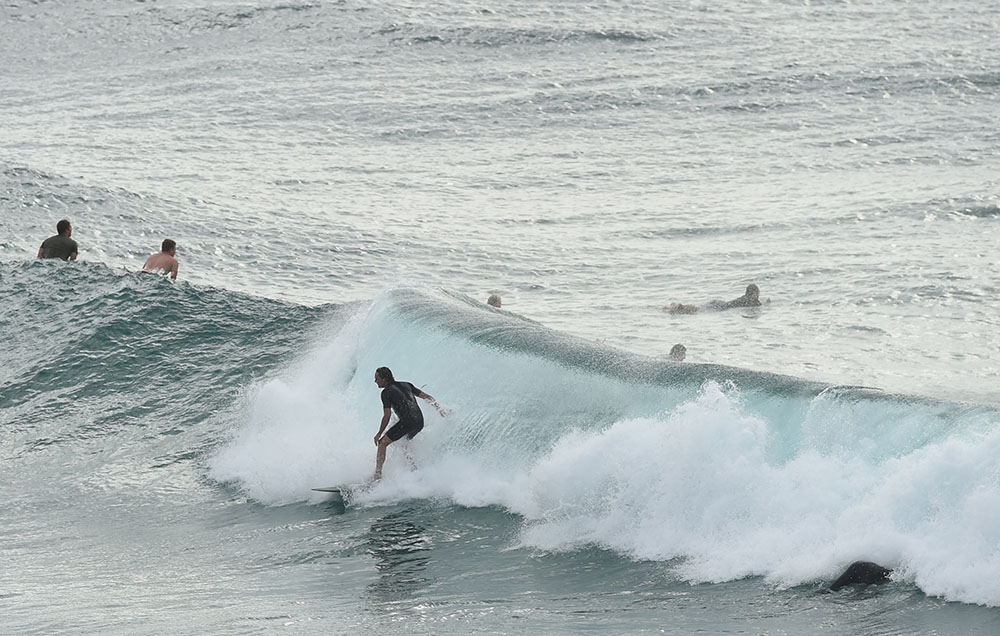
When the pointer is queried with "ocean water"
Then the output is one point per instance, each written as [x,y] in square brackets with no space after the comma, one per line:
[347,183]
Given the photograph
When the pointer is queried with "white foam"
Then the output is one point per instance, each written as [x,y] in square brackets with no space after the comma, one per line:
[302,432]
[695,484]
[727,485]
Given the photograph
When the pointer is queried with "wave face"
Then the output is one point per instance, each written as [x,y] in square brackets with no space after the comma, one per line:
[125,391]
[723,472]
[99,360]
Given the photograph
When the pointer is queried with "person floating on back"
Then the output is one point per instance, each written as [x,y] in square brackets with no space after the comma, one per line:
[751,298]
[60,245]
[163,262]
[401,398]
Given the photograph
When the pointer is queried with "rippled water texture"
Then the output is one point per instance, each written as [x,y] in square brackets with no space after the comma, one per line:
[590,162]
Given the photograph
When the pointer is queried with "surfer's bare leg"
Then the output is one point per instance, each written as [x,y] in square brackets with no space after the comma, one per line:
[383,443]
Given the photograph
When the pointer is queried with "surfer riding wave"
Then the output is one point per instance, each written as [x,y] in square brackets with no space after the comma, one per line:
[399,397]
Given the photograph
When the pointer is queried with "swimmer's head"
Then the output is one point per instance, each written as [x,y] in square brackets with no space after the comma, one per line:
[678,352]
[753,291]
[493,300]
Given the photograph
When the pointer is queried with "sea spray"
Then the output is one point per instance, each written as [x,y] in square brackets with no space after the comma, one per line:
[778,478]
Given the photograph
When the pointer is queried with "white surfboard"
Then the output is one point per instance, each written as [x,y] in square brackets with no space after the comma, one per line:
[339,492]
[336,492]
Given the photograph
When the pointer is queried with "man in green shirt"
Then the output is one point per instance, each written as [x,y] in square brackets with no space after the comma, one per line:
[60,245]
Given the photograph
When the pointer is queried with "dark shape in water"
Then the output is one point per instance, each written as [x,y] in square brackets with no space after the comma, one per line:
[862,573]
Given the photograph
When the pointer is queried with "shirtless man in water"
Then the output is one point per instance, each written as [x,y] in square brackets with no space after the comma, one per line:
[163,262]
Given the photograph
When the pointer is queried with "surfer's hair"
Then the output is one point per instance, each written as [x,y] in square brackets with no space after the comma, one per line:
[385,373]
[167,245]
[62,226]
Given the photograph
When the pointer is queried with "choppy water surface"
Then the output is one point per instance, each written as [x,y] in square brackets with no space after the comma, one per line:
[348,183]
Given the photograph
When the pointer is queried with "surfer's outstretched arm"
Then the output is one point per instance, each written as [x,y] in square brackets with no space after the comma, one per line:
[430,398]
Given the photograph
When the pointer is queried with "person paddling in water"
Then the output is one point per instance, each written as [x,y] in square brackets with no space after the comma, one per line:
[60,245]
[749,299]
[164,261]
[401,398]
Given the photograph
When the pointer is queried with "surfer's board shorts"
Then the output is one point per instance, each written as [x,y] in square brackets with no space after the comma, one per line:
[404,427]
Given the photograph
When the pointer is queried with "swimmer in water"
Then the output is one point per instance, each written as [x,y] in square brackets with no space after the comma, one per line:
[751,298]
[164,261]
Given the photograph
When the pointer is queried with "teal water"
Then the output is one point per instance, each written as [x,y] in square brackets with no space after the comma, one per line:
[348,183]
[159,457]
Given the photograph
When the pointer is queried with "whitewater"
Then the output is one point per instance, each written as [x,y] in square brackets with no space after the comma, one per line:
[742,474]
[348,183]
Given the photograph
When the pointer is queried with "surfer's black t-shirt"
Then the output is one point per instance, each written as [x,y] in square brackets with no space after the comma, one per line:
[399,396]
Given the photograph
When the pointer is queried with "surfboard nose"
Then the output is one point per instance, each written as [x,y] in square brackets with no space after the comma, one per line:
[335,492]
